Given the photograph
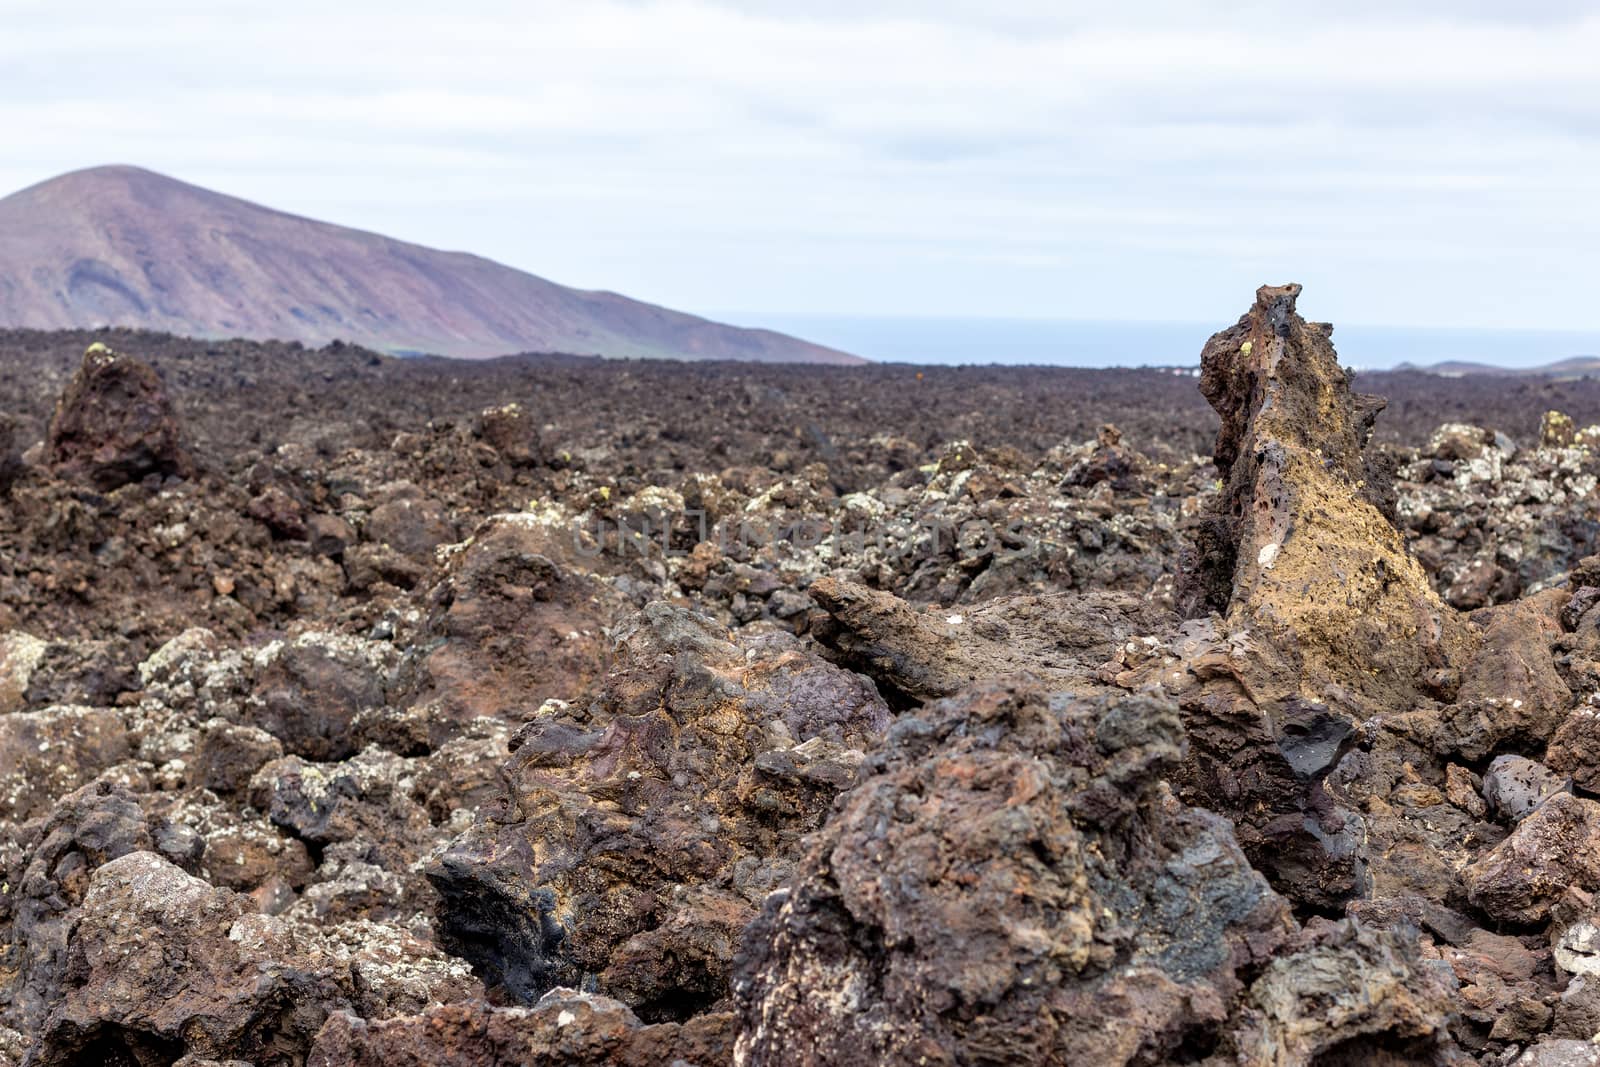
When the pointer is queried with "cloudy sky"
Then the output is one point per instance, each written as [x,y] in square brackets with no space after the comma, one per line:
[1410,162]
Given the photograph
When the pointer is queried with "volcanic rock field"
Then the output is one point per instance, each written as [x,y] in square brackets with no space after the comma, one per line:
[556,711]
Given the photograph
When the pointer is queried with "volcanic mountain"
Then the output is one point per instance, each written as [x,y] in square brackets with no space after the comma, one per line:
[1566,369]
[123,246]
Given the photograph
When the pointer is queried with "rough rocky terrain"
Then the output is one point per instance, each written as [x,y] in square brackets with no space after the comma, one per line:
[552,711]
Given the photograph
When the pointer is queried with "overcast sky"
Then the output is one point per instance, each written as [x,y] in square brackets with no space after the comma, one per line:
[1411,163]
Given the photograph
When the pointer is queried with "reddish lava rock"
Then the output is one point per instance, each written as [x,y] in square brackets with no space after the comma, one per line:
[115,424]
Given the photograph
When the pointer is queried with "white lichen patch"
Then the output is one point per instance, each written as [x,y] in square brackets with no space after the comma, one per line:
[20,656]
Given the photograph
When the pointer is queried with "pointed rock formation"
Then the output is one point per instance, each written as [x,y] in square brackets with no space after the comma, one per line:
[115,424]
[1300,551]
[1322,619]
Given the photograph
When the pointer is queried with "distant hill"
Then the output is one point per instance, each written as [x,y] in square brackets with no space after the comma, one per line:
[1576,367]
[122,246]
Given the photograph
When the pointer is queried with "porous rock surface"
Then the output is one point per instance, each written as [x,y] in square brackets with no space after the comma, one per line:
[115,424]
[1010,882]
[640,834]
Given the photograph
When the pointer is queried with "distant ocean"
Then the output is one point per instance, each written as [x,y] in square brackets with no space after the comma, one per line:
[1074,343]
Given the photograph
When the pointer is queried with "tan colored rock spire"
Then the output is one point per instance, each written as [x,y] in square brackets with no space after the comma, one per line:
[1312,567]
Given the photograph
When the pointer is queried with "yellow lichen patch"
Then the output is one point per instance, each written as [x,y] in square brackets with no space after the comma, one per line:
[1557,430]
[1333,581]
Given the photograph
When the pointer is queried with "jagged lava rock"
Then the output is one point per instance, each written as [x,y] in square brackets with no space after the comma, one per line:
[1511,693]
[46,754]
[164,965]
[1504,522]
[1325,620]
[1109,461]
[11,465]
[1351,995]
[510,430]
[924,655]
[229,754]
[640,834]
[310,690]
[564,1029]
[1553,848]
[1299,549]
[410,524]
[48,864]
[515,620]
[998,883]
[1010,883]
[115,424]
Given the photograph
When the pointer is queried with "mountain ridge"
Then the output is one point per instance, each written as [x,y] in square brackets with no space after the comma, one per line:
[1571,367]
[123,246]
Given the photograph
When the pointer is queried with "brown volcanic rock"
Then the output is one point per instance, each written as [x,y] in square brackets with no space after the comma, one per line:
[115,424]
[511,432]
[10,453]
[1010,883]
[347,712]
[1554,848]
[311,690]
[924,655]
[48,865]
[161,965]
[565,1029]
[125,246]
[1299,542]
[1326,621]
[46,754]
[516,620]
[641,834]
[1511,692]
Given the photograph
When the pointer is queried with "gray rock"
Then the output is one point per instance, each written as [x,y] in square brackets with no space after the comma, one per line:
[1366,993]
[1515,785]
[1560,1052]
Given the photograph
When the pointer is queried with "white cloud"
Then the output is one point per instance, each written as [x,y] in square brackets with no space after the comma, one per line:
[1412,162]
